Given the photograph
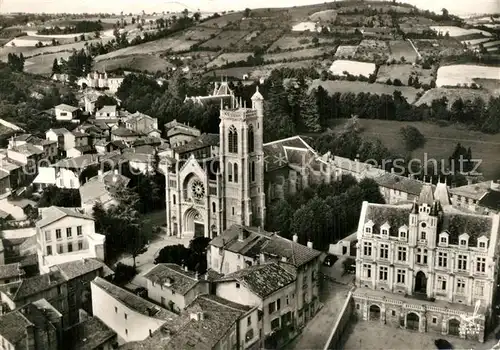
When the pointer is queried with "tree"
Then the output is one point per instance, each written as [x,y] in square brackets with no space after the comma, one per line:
[445,13]
[97,34]
[82,37]
[196,16]
[247,12]
[315,40]
[105,100]
[60,197]
[412,138]
[56,68]
[278,217]
[309,113]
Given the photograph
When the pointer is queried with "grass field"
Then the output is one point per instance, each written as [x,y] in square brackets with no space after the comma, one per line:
[297,42]
[226,58]
[402,48]
[223,21]
[372,50]
[346,51]
[440,141]
[300,54]
[43,64]
[452,94]
[263,39]
[343,86]
[438,47]
[324,16]
[225,40]
[200,33]
[464,74]
[150,63]
[403,72]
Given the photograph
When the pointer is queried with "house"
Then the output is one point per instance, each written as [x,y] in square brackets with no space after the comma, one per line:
[174,287]
[425,266]
[91,334]
[46,177]
[49,148]
[66,287]
[64,235]
[100,189]
[269,287]
[97,80]
[68,170]
[103,146]
[95,133]
[139,162]
[142,123]
[81,138]
[5,187]
[239,247]
[11,273]
[107,112]
[15,171]
[130,316]
[65,112]
[79,151]
[396,189]
[35,326]
[469,197]
[89,100]
[217,323]
[27,155]
[65,139]
[20,140]
[344,247]
[124,134]
[180,133]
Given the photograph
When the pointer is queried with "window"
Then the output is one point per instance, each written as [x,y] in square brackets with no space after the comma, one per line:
[126,331]
[232,210]
[482,244]
[252,171]
[116,310]
[401,276]
[384,232]
[463,242]
[60,249]
[423,235]
[444,239]
[479,290]
[278,304]
[80,245]
[402,234]
[462,262]
[250,139]
[368,229]
[383,273]
[213,207]
[68,232]
[481,265]
[421,256]
[272,307]
[249,335]
[367,270]
[460,286]
[125,315]
[249,321]
[58,233]
[173,199]
[287,300]
[441,283]
[70,247]
[384,251]
[442,259]
[49,250]
[48,236]
[237,285]
[367,249]
[230,172]
[393,313]
[434,320]
[402,253]
[79,231]
[235,173]
[275,323]
[233,140]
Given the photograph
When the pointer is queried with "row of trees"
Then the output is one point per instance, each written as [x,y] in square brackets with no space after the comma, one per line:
[16,62]
[78,27]
[77,65]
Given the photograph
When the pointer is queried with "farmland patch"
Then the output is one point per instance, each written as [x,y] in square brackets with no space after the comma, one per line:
[346,51]
[223,21]
[400,49]
[372,50]
[344,67]
[225,40]
[299,55]
[42,64]
[457,31]
[324,16]
[263,71]
[200,33]
[226,58]
[295,42]
[452,94]
[438,47]
[464,74]
[402,72]
[150,63]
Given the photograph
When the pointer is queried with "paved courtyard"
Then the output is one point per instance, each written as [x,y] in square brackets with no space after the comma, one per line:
[317,331]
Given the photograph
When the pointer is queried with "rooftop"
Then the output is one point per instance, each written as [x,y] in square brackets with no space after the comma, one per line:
[107,109]
[135,117]
[13,327]
[27,149]
[91,334]
[80,162]
[77,268]
[11,270]
[53,214]
[292,150]
[60,131]
[135,302]
[30,286]
[173,277]
[400,183]
[122,131]
[473,191]
[202,141]
[262,280]
[67,108]
[491,200]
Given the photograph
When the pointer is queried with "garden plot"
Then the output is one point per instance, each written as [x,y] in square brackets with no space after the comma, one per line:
[457,31]
[298,55]
[346,51]
[225,40]
[402,72]
[343,67]
[293,42]
[464,74]
[226,58]
[372,50]
[438,47]
[452,94]
[400,49]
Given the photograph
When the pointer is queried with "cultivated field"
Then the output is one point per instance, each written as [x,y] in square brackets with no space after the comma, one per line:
[402,48]
[342,86]
[223,21]
[150,63]
[372,50]
[324,16]
[341,67]
[440,141]
[260,39]
[464,74]
[226,58]
[294,42]
[452,94]
[174,44]
[200,33]
[346,51]
[403,72]
[225,40]
[304,27]
[42,64]
[263,71]
[300,54]
[438,47]
[457,31]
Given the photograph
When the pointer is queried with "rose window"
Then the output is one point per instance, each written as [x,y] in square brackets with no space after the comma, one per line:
[197,189]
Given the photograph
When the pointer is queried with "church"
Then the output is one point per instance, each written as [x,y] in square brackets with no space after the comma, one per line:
[216,180]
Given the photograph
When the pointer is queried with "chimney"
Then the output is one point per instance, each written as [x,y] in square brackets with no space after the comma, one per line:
[196,276]
[262,258]
[310,244]
[99,174]
[115,171]
[206,276]
[150,333]
[295,238]
[185,268]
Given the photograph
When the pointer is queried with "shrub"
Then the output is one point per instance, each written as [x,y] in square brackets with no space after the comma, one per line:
[124,274]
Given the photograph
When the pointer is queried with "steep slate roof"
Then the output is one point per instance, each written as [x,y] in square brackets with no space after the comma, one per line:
[293,150]
[54,213]
[11,270]
[135,302]
[395,216]
[491,200]
[473,191]
[400,183]
[181,281]
[219,316]
[201,141]
[13,326]
[262,280]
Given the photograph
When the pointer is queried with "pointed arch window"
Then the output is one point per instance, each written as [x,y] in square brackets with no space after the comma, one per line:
[250,138]
[235,173]
[252,172]
[233,140]
[230,172]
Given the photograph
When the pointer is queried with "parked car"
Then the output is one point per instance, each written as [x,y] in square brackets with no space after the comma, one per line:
[330,260]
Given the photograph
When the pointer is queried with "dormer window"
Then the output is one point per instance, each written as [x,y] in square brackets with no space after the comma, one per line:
[443,239]
[402,234]
[384,229]
[482,242]
[369,227]
[385,232]
[463,240]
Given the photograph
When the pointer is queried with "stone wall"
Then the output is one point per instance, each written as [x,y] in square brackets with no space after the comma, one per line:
[335,340]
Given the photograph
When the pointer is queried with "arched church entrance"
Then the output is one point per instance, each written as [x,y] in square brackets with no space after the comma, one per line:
[420,283]
[374,313]
[193,223]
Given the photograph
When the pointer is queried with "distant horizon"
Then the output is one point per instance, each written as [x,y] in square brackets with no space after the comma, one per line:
[456,7]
